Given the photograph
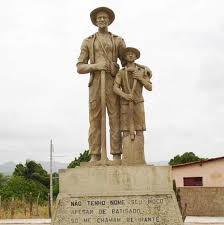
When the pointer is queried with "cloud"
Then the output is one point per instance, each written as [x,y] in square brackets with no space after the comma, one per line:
[42,96]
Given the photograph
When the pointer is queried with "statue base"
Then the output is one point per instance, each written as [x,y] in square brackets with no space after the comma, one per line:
[116,194]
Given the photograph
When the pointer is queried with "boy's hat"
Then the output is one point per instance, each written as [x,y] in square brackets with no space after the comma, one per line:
[131,49]
[102,9]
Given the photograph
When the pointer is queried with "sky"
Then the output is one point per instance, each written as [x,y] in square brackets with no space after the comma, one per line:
[42,97]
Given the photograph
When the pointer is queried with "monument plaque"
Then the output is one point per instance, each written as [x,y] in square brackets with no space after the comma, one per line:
[116,195]
[145,209]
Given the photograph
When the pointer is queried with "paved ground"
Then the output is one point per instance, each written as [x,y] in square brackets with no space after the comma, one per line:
[25,221]
[203,220]
[190,220]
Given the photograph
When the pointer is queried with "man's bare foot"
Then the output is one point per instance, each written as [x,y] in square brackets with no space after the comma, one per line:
[94,158]
[117,157]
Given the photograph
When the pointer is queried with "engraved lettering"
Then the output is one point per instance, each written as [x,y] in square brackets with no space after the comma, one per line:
[74,220]
[102,211]
[117,202]
[118,210]
[147,219]
[130,220]
[136,201]
[82,211]
[76,203]
[96,203]
[108,220]
[132,211]
[155,201]
[86,220]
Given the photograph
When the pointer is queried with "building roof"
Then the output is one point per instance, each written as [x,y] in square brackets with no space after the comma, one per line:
[198,162]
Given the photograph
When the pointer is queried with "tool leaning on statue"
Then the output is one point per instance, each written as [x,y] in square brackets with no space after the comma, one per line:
[133,145]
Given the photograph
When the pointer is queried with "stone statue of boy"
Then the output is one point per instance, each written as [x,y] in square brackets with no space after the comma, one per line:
[128,84]
[102,49]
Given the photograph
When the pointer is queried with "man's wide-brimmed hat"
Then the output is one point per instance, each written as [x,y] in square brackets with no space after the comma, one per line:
[131,49]
[110,13]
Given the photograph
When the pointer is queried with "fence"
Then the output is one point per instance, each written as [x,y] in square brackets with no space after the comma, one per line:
[28,207]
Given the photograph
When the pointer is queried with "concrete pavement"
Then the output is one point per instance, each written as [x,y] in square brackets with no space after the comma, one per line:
[25,221]
[204,220]
[190,220]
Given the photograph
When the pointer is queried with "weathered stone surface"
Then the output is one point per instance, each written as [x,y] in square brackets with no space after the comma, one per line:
[133,150]
[113,180]
[129,84]
[116,195]
[144,209]
[117,92]
[99,56]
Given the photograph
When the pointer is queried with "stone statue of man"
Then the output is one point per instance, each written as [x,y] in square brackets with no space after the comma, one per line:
[102,50]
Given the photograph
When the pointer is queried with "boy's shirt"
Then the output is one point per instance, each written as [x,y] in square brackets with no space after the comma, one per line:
[122,82]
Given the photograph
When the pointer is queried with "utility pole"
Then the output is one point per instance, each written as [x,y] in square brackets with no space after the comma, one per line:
[51,178]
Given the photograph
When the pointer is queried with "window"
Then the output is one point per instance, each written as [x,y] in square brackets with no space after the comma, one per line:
[193,181]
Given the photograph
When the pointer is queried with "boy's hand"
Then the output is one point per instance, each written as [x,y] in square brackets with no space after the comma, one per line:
[137,76]
[129,97]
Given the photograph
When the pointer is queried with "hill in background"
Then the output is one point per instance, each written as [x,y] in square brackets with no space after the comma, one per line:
[8,167]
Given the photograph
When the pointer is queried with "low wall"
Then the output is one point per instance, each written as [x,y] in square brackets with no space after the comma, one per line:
[203,201]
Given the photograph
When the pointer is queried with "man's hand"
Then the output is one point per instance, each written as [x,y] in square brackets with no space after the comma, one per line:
[137,76]
[129,97]
[101,66]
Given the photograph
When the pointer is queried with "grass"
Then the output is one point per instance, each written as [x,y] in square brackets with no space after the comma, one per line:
[21,210]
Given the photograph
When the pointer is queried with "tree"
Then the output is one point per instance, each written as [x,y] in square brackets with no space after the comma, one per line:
[26,179]
[19,186]
[3,180]
[83,157]
[34,171]
[20,170]
[55,184]
[185,158]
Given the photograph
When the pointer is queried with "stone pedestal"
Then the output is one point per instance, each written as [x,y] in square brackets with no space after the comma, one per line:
[116,195]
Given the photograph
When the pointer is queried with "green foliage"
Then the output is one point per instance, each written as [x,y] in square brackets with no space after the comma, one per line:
[20,170]
[29,178]
[185,158]
[55,184]
[26,179]
[3,180]
[34,171]
[18,186]
[83,157]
